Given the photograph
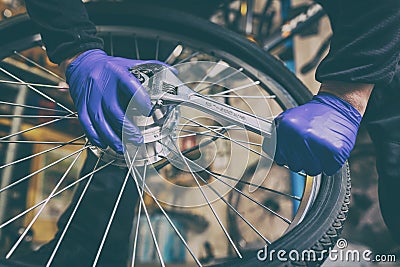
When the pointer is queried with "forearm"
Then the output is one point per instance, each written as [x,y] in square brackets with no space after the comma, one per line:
[65,27]
[357,94]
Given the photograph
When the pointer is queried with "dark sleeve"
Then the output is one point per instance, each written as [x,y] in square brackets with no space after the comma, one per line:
[65,27]
[365,46]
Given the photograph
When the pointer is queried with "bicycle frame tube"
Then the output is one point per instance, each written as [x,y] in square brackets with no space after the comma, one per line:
[294,26]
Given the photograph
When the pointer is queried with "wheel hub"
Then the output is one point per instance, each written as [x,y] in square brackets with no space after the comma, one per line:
[158,129]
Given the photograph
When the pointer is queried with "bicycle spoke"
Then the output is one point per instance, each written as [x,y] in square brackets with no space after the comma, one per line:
[253,200]
[12,148]
[31,107]
[194,133]
[230,206]
[205,77]
[111,45]
[219,137]
[188,57]
[145,211]
[36,127]
[56,194]
[111,219]
[40,142]
[229,127]
[237,190]
[22,236]
[230,139]
[206,198]
[36,116]
[231,178]
[138,217]
[270,210]
[41,153]
[235,89]
[39,66]
[41,169]
[34,84]
[37,91]
[186,151]
[170,222]
[157,48]
[244,96]
[201,133]
[235,210]
[220,80]
[217,128]
[136,47]
[72,215]
[258,186]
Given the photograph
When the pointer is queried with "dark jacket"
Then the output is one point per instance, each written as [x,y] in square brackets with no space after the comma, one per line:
[365,46]
[65,27]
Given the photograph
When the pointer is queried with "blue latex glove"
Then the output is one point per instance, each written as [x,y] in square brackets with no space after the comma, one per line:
[317,136]
[97,83]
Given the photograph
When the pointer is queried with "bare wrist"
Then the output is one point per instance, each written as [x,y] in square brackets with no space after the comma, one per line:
[357,94]
[64,64]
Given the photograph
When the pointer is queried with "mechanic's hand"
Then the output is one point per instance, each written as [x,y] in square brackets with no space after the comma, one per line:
[317,136]
[98,83]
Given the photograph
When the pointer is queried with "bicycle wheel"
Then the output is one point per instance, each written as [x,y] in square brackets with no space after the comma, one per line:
[152,32]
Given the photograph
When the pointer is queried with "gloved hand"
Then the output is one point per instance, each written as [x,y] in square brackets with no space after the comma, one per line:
[317,136]
[98,83]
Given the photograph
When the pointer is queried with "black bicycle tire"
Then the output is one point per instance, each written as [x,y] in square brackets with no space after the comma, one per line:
[321,227]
